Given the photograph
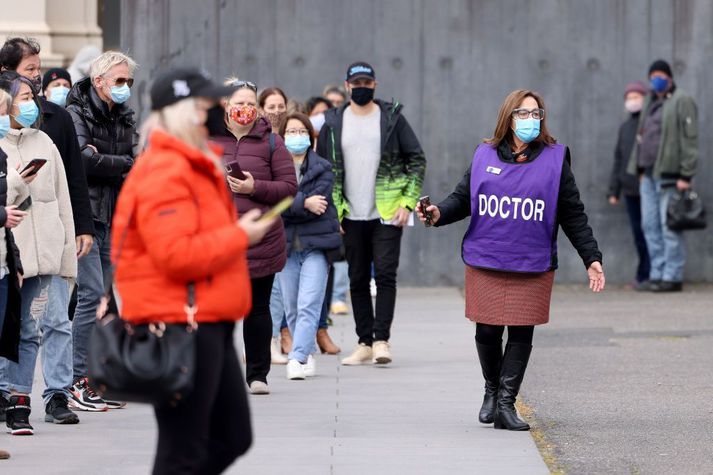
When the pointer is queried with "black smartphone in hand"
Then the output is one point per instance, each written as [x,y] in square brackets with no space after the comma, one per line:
[425,202]
[34,165]
[233,169]
[25,205]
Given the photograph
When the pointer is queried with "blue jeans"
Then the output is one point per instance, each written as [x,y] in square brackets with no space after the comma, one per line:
[277,310]
[341,282]
[667,253]
[45,319]
[303,282]
[4,289]
[92,279]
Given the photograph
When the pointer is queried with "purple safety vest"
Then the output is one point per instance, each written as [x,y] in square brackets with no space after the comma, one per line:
[513,211]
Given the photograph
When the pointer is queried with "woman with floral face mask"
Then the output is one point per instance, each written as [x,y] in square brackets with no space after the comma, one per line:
[312,231]
[273,106]
[519,190]
[261,175]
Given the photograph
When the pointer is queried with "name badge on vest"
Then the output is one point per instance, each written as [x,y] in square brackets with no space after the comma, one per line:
[493,170]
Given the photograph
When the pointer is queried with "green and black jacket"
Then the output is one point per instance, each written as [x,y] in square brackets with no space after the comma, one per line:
[402,167]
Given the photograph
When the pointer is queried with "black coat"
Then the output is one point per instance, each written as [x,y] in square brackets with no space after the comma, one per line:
[570,209]
[57,123]
[319,232]
[113,133]
[10,331]
[620,180]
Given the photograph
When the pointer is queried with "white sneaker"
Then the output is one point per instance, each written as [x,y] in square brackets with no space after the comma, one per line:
[276,356]
[258,388]
[310,367]
[382,353]
[295,370]
[361,355]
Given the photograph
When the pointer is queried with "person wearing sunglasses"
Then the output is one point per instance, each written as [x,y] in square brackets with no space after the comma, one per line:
[106,131]
[519,189]
[262,175]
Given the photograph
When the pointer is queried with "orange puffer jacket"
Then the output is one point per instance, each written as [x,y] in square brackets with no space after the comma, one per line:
[175,223]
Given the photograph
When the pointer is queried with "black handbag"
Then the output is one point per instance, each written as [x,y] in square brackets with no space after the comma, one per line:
[685,211]
[151,363]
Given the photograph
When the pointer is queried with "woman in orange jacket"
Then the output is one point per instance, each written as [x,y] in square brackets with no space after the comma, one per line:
[175,224]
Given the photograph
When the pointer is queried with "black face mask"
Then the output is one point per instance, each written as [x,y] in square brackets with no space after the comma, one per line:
[37,84]
[362,95]
[216,121]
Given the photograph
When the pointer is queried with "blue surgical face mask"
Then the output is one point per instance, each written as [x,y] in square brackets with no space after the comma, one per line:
[297,144]
[659,84]
[4,125]
[58,95]
[120,94]
[528,129]
[28,113]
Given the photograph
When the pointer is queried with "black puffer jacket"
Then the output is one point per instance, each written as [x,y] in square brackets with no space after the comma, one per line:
[113,134]
[10,331]
[620,182]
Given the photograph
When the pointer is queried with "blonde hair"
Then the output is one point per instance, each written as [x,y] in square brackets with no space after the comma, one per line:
[179,120]
[107,60]
[7,99]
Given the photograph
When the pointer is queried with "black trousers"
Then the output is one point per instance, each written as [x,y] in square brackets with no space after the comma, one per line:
[367,243]
[211,428]
[493,334]
[257,331]
[633,209]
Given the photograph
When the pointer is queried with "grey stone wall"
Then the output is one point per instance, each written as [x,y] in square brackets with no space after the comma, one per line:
[451,62]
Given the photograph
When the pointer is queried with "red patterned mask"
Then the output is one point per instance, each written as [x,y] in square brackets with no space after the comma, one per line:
[243,115]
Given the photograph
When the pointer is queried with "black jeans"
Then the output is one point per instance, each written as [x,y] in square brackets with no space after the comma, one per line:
[493,334]
[211,428]
[633,209]
[257,331]
[367,243]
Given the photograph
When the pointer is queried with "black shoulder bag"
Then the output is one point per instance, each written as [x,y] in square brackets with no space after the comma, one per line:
[151,363]
[685,211]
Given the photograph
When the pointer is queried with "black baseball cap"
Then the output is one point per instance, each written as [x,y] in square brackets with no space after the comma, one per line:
[180,84]
[360,70]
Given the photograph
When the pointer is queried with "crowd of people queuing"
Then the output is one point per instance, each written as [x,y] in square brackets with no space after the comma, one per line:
[182,197]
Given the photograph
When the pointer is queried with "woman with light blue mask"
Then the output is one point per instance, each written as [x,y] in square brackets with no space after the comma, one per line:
[56,84]
[312,231]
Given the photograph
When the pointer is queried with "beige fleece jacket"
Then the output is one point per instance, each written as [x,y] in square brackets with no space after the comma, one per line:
[46,236]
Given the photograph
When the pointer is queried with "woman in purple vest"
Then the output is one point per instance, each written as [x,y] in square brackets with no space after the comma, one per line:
[518,191]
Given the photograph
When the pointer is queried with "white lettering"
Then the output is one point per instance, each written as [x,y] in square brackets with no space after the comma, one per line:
[516,202]
[492,206]
[527,216]
[502,201]
[482,204]
[539,210]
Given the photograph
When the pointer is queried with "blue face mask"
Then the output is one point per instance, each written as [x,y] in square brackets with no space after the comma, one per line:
[297,144]
[659,84]
[528,129]
[28,113]
[120,94]
[4,125]
[58,95]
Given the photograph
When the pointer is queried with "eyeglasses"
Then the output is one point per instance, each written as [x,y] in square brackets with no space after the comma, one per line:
[240,84]
[537,114]
[297,132]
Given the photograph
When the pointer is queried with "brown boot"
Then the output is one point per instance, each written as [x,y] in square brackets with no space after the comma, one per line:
[285,341]
[4,455]
[326,345]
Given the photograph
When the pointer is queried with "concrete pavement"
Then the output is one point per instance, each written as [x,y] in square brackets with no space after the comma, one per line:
[416,416]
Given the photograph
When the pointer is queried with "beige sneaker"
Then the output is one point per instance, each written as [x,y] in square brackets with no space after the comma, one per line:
[339,308]
[276,356]
[382,353]
[258,387]
[361,355]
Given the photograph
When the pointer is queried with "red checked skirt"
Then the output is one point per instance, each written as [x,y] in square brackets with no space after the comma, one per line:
[507,298]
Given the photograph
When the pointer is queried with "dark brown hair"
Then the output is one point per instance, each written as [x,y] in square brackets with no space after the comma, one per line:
[305,121]
[270,91]
[503,130]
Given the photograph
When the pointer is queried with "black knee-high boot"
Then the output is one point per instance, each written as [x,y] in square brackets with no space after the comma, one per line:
[490,357]
[513,370]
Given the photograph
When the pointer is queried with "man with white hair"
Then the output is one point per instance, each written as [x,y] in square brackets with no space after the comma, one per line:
[106,131]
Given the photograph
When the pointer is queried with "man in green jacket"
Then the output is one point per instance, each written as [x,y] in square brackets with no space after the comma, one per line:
[665,159]
[378,173]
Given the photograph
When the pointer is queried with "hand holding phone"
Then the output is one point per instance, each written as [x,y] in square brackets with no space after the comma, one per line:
[33,167]
[424,204]
[233,169]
